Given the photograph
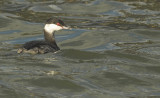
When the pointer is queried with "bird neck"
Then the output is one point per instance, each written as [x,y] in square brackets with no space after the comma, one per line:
[49,37]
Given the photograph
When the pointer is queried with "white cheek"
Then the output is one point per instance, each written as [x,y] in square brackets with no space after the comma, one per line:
[52,27]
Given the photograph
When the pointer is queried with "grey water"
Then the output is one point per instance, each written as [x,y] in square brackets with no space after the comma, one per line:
[112,50]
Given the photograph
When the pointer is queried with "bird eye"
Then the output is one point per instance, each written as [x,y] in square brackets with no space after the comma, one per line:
[58,24]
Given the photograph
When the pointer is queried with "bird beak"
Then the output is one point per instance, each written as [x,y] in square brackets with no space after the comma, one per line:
[66,27]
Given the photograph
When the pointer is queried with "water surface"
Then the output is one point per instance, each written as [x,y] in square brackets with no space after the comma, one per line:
[112,51]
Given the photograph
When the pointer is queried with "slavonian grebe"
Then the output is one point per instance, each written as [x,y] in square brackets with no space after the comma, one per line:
[47,45]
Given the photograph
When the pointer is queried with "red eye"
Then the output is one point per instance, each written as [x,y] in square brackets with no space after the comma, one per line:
[58,24]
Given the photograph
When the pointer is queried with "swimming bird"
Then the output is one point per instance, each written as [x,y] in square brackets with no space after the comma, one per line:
[49,43]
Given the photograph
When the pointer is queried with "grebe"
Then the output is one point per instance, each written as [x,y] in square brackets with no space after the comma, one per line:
[49,43]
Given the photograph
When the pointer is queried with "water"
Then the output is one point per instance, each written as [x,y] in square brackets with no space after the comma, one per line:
[113,50]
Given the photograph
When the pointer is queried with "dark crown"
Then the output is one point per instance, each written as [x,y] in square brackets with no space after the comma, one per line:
[54,20]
